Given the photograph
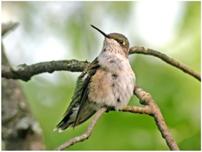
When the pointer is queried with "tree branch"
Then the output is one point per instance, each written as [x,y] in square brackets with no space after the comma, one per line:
[167,59]
[146,99]
[25,72]
[86,134]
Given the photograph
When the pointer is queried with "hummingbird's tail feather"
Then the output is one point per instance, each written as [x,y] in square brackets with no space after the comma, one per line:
[87,110]
[64,123]
[69,119]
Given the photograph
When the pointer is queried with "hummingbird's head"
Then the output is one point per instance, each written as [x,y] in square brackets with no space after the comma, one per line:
[115,40]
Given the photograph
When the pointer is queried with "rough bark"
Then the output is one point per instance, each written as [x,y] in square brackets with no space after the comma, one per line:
[19,129]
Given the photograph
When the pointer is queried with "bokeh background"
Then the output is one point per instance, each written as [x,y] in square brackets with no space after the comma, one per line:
[60,30]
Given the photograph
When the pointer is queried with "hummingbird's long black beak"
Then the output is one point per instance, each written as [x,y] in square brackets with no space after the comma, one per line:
[105,35]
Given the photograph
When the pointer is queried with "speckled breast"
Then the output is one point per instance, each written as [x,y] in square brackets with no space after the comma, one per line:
[113,83]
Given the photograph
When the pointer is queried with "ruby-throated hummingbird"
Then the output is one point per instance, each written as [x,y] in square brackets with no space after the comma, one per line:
[108,81]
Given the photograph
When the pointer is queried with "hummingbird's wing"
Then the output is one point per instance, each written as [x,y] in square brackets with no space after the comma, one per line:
[80,109]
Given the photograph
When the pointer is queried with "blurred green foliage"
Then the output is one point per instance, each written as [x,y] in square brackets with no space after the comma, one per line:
[176,93]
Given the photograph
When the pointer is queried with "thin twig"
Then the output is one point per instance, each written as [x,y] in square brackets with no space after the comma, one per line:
[167,59]
[86,134]
[8,27]
[156,113]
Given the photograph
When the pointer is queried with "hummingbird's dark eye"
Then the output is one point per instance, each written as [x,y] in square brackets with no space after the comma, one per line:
[122,42]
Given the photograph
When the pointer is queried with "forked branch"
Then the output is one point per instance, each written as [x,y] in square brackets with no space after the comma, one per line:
[149,108]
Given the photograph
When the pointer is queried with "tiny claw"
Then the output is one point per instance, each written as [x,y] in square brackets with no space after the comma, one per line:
[142,102]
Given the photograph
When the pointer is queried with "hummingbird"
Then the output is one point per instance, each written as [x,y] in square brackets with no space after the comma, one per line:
[108,81]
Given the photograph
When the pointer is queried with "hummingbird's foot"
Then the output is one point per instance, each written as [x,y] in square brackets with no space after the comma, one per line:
[145,97]
[142,102]
[110,108]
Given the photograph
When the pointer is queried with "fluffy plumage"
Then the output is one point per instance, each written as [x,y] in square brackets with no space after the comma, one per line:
[108,81]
